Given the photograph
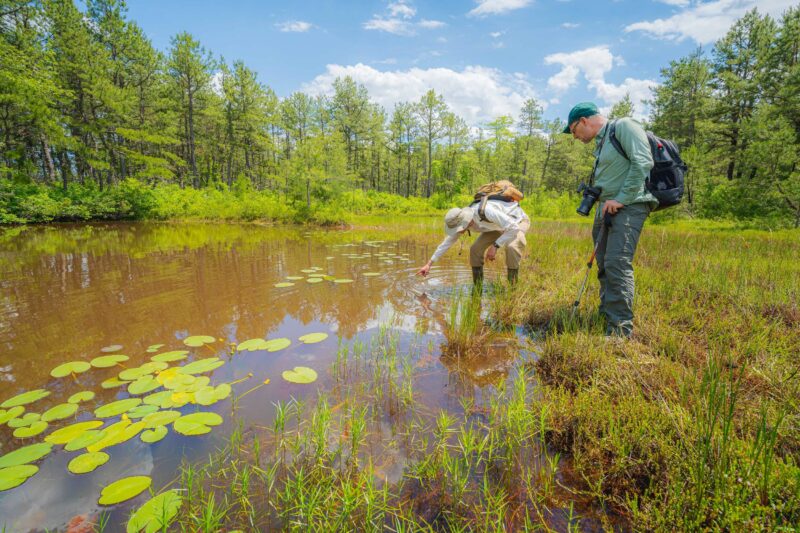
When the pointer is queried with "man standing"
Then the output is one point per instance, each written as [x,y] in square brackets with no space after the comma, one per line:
[504,224]
[625,198]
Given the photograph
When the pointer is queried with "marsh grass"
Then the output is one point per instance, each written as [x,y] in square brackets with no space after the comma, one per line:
[693,424]
[368,456]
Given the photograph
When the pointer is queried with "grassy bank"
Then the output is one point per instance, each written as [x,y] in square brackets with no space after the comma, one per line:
[694,423]
[26,203]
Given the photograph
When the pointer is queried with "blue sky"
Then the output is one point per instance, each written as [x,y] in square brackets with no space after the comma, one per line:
[485,56]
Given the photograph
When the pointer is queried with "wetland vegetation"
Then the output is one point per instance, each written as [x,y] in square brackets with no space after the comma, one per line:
[285,370]
[428,408]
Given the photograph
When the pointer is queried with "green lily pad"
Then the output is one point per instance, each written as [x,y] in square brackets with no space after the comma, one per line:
[60,412]
[278,344]
[142,411]
[156,514]
[180,382]
[158,398]
[198,383]
[83,396]
[170,357]
[107,361]
[30,431]
[343,280]
[312,338]
[124,490]
[314,280]
[87,462]
[112,348]
[205,396]
[284,284]
[371,274]
[154,435]
[196,423]
[294,278]
[179,399]
[252,345]
[117,433]
[132,374]
[161,418]
[300,374]
[143,385]
[73,367]
[71,432]
[195,341]
[222,391]
[11,414]
[24,421]
[308,271]
[116,408]
[201,366]
[15,476]
[25,398]
[111,383]
[26,454]
[86,439]
[153,348]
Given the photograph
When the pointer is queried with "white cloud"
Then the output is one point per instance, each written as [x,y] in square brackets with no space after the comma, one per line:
[497,7]
[216,82]
[496,34]
[498,44]
[402,9]
[399,20]
[595,63]
[391,25]
[568,77]
[431,24]
[680,3]
[570,25]
[296,26]
[477,94]
[705,22]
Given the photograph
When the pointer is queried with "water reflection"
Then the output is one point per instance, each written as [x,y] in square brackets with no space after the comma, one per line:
[67,291]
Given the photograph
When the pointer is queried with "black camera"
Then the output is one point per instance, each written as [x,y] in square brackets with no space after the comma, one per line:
[590,196]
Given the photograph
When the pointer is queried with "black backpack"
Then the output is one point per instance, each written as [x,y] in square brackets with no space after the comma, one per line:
[666,177]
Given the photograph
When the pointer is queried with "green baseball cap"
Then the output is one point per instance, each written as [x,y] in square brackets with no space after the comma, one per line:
[583,109]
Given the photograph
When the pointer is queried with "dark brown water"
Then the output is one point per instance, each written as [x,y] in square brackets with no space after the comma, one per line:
[68,291]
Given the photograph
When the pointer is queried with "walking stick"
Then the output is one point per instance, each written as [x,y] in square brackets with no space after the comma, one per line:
[603,234]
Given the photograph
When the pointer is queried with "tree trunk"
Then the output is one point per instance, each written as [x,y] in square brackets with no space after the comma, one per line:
[48,159]
[546,158]
[190,121]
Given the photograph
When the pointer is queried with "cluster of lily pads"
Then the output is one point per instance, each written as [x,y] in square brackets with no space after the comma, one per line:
[147,413]
[315,274]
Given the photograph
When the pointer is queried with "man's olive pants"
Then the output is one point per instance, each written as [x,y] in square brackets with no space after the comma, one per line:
[515,250]
[615,265]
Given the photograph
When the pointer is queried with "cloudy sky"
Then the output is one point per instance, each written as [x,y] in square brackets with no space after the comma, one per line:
[485,56]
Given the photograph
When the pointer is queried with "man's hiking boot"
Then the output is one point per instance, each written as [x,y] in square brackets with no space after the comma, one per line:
[512,275]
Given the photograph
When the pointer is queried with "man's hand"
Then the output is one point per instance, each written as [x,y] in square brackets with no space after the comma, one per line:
[491,253]
[611,207]
[424,270]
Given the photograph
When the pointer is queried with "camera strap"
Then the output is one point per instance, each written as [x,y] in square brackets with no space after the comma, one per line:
[600,151]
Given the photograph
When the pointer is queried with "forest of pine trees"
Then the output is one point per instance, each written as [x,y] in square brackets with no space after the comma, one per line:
[89,107]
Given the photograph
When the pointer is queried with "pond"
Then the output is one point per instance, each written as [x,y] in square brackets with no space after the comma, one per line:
[73,293]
